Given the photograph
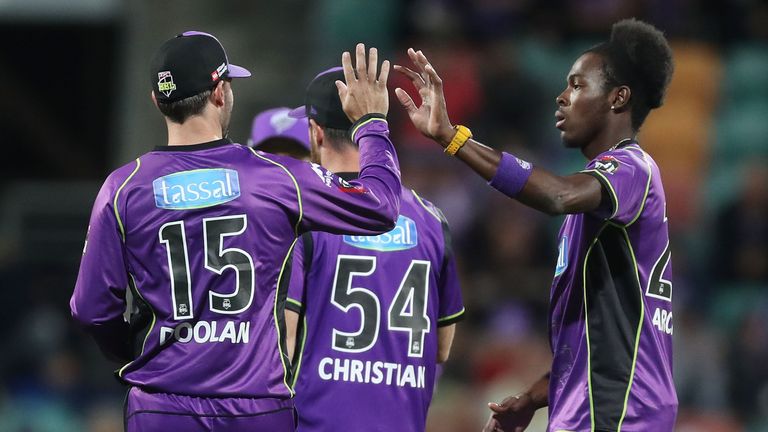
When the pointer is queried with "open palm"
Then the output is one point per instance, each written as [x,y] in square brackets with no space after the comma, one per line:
[431,117]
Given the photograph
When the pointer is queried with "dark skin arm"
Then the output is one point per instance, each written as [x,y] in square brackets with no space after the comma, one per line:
[514,413]
[544,191]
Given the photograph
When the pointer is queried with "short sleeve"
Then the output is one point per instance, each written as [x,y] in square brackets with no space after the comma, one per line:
[625,177]
[451,308]
[300,264]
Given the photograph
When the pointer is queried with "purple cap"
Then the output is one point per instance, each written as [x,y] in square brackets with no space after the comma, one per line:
[276,123]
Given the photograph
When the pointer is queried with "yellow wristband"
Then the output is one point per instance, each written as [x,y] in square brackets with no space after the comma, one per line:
[462,135]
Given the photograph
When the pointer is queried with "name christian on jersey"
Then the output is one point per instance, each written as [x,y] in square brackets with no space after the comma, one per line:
[404,236]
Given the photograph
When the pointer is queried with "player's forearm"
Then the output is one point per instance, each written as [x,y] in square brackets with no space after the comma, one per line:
[379,168]
[534,187]
[444,341]
[539,392]
[481,158]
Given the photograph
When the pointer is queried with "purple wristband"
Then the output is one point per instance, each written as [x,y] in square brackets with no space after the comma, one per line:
[511,175]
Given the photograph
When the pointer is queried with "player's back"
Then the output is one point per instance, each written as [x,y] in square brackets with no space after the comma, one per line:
[206,231]
[372,307]
[203,232]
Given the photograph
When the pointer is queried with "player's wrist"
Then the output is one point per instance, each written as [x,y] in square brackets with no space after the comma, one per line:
[445,135]
[461,135]
[354,130]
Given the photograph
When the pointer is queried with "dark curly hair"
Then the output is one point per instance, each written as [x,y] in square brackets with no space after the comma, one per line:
[638,56]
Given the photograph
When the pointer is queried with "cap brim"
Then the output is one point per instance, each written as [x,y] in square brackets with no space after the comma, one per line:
[298,112]
[236,71]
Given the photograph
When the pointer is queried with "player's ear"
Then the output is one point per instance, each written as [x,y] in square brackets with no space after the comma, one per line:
[154,99]
[620,98]
[316,132]
[217,95]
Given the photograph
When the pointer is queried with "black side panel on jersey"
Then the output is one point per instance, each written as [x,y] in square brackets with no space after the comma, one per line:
[447,248]
[281,297]
[614,310]
[308,244]
[301,330]
[140,320]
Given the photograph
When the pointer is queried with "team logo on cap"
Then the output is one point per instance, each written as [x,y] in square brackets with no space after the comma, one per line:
[281,122]
[215,75]
[165,83]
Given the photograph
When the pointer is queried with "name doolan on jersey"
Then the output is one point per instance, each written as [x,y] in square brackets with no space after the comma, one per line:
[236,332]
[372,372]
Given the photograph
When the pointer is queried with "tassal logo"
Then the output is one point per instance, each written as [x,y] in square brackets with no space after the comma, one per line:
[403,236]
[196,189]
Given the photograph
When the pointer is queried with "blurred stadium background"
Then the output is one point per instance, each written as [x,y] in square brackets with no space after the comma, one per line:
[74,95]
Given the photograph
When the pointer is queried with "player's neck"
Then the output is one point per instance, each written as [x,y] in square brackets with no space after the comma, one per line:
[346,161]
[196,130]
[607,139]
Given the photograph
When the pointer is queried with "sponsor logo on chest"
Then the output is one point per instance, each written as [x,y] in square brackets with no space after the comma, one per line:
[196,189]
[403,236]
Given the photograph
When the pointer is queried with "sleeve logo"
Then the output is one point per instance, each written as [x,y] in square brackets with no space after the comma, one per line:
[325,175]
[196,189]
[608,164]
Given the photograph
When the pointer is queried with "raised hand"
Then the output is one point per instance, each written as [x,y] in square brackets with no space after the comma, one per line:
[363,93]
[513,414]
[431,118]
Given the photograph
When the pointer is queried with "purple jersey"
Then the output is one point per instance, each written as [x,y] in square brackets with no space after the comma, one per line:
[372,306]
[199,236]
[611,305]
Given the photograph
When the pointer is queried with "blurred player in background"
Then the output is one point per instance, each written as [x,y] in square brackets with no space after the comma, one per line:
[610,318]
[199,233]
[274,131]
[377,312]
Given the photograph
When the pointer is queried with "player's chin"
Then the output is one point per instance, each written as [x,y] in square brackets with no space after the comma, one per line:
[569,141]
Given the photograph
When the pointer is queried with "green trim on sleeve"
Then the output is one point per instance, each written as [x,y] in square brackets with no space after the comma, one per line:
[451,319]
[294,303]
[608,186]
[295,184]
[117,194]
[364,122]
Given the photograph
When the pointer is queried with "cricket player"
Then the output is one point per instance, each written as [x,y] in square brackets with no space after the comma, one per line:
[274,131]
[197,233]
[610,317]
[376,313]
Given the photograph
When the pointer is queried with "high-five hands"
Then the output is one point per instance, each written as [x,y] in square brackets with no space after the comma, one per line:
[431,118]
[363,93]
